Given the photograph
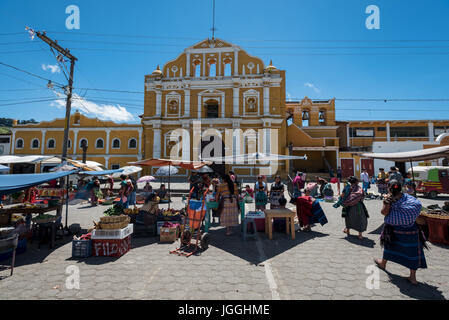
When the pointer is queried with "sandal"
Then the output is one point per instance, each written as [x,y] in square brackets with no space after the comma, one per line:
[410,281]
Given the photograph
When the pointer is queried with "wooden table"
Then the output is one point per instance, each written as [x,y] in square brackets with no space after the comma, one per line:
[280,213]
[11,211]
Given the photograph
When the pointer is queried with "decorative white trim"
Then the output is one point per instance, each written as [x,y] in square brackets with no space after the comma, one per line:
[48,143]
[251,93]
[129,141]
[173,96]
[96,142]
[119,144]
[15,144]
[38,143]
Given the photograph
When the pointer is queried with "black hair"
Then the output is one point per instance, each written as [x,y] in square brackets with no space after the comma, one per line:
[228,180]
[151,197]
[123,177]
[395,187]
[282,202]
[393,168]
[353,180]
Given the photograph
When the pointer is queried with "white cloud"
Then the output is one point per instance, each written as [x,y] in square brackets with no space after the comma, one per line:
[312,86]
[92,109]
[52,68]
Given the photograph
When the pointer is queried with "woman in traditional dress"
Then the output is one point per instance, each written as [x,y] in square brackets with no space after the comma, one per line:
[229,196]
[260,187]
[298,184]
[382,186]
[276,192]
[401,237]
[304,210]
[354,211]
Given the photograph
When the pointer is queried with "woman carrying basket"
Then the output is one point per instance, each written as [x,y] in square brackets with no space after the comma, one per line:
[229,204]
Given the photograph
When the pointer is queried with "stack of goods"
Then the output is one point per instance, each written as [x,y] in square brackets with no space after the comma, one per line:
[169,232]
[259,219]
[82,246]
[169,215]
[434,211]
[112,236]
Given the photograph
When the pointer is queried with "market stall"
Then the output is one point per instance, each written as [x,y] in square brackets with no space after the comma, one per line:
[43,201]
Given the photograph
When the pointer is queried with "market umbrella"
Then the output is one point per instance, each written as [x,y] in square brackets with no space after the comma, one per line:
[254,158]
[146,179]
[186,164]
[205,169]
[127,170]
[166,171]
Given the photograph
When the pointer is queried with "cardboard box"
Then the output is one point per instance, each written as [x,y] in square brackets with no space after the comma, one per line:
[168,234]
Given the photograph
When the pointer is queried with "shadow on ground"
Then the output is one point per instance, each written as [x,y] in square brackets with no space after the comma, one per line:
[248,250]
[422,291]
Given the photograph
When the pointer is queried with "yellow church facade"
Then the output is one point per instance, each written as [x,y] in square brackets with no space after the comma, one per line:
[214,100]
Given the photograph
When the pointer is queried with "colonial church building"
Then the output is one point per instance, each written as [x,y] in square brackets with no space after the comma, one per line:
[213,100]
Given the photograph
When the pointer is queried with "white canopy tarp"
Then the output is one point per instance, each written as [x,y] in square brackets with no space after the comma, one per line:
[23,159]
[416,155]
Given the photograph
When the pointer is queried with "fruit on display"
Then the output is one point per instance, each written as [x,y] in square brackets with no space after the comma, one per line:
[115,210]
[134,210]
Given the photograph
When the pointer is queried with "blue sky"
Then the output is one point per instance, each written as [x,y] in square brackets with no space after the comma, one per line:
[323,45]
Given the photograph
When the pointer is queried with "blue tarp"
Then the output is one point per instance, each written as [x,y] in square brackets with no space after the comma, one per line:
[100,173]
[11,183]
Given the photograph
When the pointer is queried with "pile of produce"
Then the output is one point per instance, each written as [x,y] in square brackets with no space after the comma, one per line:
[135,210]
[170,214]
[434,211]
[44,218]
[115,210]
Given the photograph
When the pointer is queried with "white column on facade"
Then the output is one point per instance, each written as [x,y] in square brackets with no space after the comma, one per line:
[108,131]
[235,95]
[13,141]
[156,143]
[199,106]
[203,65]
[223,105]
[43,141]
[106,162]
[266,100]
[158,103]
[236,62]
[186,143]
[139,151]
[188,65]
[187,103]
[348,137]
[431,131]
[74,142]
[218,64]
[388,131]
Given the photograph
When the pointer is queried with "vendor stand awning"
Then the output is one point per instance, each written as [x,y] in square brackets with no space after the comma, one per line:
[24,159]
[186,164]
[253,157]
[406,156]
[4,168]
[11,183]
[100,173]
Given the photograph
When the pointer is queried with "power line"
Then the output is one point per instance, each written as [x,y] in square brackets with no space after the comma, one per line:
[29,73]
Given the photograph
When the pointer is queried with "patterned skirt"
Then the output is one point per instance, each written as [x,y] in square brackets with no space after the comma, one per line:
[230,215]
[274,199]
[404,246]
[356,218]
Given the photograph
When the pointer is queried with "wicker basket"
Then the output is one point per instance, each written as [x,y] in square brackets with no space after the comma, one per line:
[118,222]
[435,216]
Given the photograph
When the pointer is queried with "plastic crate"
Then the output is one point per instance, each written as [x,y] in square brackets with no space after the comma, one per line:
[111,247]
[113,233]
[81,248]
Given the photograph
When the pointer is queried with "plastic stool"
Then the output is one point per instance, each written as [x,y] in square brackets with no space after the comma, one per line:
[245,234]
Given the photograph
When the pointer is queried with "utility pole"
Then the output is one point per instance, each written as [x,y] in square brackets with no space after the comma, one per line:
[66,53]
[68,90]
